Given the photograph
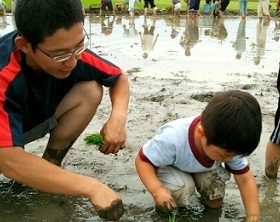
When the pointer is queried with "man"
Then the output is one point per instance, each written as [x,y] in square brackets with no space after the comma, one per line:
[2,8]
[50,83]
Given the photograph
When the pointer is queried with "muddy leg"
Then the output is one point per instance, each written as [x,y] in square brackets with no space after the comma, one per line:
[272,159]
[73,115]
[211,186]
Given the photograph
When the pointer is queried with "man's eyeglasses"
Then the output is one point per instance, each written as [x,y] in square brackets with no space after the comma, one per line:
[61,58]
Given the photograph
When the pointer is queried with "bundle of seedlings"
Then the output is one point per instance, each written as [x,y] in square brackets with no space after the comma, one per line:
[94,139]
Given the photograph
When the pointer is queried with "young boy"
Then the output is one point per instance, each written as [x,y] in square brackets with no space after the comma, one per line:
[189,153]
[176,7]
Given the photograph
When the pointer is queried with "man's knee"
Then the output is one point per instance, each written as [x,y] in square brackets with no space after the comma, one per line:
[90,90]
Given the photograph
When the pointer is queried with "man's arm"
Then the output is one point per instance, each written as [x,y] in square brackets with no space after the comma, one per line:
[249,194]
[33,171]
[114,130]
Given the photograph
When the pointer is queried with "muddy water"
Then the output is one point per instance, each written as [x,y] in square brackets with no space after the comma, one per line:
[189,60]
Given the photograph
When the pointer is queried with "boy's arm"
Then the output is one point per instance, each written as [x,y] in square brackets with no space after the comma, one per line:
[249,194]
[147,173]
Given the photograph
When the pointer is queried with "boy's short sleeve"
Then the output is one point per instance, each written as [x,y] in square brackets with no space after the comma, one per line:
[238,165]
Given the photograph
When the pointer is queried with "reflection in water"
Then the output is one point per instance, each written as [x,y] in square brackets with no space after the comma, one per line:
[131,31]
[175,27]
[107,24]
[218,30]
[191,34]
[276,31]
[19,203]
[259,46]
[240,42]
[148,40]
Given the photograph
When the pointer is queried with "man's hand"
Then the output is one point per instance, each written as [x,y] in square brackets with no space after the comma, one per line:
[113,212]
[114,134]
[107,203]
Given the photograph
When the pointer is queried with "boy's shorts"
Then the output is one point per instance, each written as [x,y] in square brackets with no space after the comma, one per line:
[177,7]
[40,130]
[210,184]
[275,136]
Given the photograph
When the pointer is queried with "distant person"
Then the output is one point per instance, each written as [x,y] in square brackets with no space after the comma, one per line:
[263,9]
[240,42]
[153,7]
[199,153]
[3,10]
[272,155]
[277,6]
[131,7]
[243,7]
[194,7]
[224,5]
[52,84]
[216,9]
[106,5]
[176,8]
[148,40]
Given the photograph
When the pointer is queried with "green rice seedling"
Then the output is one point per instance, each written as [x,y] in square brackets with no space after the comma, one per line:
[173,215]
[94,139]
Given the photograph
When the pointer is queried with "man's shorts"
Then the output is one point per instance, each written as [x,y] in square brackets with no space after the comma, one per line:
[107,3]
[40,130]
[210,184]
[263,8]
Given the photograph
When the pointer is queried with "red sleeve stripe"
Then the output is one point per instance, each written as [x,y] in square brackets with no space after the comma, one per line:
[100,63]
[7,74]
[238,172]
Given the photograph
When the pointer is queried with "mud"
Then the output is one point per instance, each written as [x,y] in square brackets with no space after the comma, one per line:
[165,86]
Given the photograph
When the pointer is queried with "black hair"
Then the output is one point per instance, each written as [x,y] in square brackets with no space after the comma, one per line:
[38,19]
[232,120]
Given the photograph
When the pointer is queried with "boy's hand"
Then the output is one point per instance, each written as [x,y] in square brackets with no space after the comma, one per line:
[164,201]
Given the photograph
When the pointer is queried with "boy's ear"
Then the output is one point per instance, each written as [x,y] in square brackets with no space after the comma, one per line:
[23,44]
[200,131]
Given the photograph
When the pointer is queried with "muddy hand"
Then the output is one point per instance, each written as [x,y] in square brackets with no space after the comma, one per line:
[113,212]
[253,219]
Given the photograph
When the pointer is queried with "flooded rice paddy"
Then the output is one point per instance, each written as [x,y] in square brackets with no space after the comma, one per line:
[174,66]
